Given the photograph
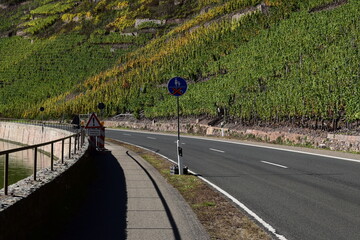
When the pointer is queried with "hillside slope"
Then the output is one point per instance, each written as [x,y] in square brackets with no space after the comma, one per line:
[246,60]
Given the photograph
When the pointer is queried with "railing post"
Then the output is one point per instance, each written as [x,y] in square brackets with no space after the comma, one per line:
[35,162]
[52,156]
[6,174]
[62,150]
[82,136]
[69,147]
[79,139]
[75,144]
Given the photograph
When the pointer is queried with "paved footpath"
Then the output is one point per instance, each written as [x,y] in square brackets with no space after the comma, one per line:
[155,210]
[129,199]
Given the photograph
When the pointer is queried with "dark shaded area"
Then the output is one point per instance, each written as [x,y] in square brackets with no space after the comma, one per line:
[76,121]
[40,214]
[88,201]
[328,6]
[102,214]
[12,2]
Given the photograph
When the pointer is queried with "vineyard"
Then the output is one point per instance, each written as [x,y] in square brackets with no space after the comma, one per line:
[250,61]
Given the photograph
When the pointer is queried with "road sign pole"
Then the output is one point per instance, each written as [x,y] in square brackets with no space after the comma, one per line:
[177,87]
[178,117]
[178,145]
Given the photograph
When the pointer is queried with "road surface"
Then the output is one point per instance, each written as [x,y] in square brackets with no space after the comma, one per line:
[302,196]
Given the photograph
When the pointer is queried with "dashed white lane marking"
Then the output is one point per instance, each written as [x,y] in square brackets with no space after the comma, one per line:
[151,138]
[216,150]
[274,164]
[126,134]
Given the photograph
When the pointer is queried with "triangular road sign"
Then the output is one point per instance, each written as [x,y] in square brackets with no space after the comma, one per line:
[93,122]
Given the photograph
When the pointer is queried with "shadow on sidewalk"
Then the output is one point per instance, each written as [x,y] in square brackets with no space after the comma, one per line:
[102,212]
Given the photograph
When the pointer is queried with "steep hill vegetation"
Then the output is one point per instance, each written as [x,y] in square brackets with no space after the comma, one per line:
[294,61]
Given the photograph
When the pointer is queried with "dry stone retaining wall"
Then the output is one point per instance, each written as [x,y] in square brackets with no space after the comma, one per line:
[330,141]
[138,22]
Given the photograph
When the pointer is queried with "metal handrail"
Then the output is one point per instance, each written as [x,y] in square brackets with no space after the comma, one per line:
[77,144]
[53,124]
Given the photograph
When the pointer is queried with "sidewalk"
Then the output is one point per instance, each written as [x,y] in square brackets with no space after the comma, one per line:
[155,210]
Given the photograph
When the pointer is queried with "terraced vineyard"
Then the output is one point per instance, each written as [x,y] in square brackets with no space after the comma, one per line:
[252,61]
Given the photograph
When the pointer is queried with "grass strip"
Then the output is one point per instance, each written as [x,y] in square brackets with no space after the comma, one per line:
[221,218]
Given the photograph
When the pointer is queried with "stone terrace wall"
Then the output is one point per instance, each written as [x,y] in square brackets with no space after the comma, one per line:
[329,141]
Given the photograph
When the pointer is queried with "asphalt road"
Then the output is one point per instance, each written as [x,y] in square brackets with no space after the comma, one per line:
[302,196]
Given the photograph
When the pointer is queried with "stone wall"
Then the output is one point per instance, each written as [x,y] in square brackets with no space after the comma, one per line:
[329,141]
[139,22]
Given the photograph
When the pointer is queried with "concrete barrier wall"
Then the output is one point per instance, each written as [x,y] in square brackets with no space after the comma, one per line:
[44,211]
[31,134]
[34,208]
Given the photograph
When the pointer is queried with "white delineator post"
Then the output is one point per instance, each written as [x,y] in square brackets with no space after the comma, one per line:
[180,165]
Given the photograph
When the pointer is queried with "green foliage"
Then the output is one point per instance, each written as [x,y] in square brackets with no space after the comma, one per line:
[206,3]
[12,2]
[10,19]
[120,38]
[145,25]
[53,8]
[37,70]
[313,3]
[38,24]
[286,64]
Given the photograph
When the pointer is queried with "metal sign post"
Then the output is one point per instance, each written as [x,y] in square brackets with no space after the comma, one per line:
[101,106]
[177,87]
[42,118]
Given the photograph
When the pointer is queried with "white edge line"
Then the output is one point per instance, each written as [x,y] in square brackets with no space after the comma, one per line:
[245,208]
[237,202]
[274,164]
[250,145]
[216,150]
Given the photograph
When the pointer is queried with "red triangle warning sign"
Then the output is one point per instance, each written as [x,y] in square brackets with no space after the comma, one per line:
[93,122]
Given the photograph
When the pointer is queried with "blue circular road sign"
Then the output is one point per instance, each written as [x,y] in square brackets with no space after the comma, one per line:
[177,86]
